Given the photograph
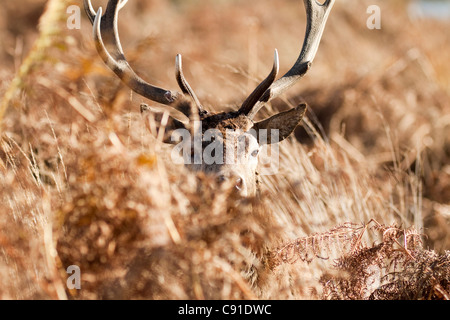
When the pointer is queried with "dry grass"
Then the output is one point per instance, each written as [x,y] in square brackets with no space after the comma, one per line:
[360,206]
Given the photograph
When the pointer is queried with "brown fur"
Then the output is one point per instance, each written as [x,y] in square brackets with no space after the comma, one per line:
[227,121]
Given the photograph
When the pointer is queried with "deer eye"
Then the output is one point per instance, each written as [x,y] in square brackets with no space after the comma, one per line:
[255,153]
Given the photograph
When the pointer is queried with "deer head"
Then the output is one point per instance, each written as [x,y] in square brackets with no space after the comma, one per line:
[234,133]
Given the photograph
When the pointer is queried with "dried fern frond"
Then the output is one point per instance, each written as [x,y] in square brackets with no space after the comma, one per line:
[396,268]
[427,277]
[319,245]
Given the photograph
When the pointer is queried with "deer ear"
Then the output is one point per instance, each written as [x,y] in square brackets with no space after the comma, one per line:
[285,122]
[155,121]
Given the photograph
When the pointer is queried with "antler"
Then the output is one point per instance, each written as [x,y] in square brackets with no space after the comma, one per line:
[317,15]
[106,33]
[262,87]
[184,85]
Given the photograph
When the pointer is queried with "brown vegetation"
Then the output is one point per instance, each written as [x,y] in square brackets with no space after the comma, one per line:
[360,208]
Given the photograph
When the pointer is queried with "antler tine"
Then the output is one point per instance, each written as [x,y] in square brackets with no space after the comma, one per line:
[90,12]
[117,62]
[253,98]
[184,85]
[89,9]
[317,15]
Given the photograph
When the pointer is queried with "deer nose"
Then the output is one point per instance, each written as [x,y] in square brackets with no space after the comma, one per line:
[239,184]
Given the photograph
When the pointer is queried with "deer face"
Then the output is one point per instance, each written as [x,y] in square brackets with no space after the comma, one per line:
[228,145]
[228,142]
[232,157]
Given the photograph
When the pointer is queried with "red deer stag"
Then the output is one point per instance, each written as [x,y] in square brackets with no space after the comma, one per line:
[234,130]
